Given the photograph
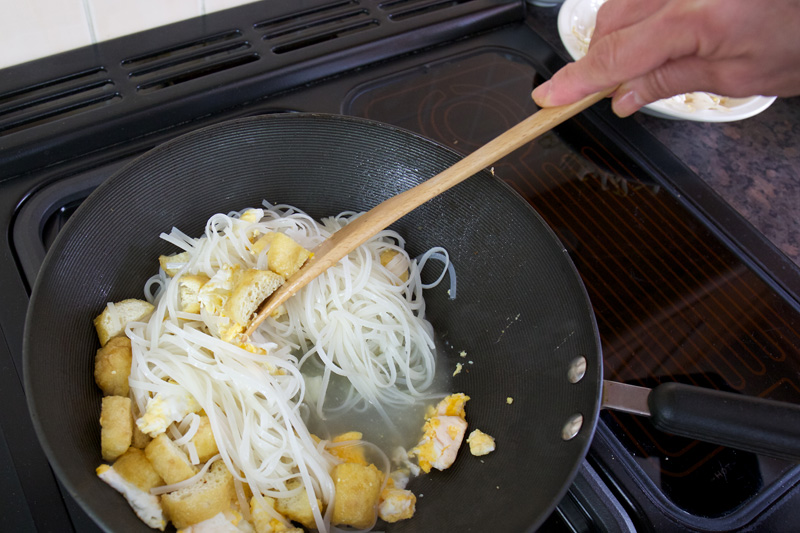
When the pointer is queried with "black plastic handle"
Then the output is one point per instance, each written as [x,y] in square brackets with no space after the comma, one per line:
[747,423]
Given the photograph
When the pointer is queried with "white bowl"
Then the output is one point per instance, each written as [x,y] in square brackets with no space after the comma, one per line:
[576,20]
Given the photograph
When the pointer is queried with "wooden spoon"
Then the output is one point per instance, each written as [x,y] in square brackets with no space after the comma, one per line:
[384,214]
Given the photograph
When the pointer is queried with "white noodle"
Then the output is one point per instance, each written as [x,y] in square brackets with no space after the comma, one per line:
[357,321]
[163,489]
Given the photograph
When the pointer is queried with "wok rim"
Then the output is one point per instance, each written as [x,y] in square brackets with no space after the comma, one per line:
[590,420]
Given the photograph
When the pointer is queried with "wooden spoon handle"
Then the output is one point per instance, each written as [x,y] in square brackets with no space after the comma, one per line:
[360,230]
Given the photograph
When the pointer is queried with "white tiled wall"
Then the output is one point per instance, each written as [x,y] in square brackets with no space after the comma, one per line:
[30,29]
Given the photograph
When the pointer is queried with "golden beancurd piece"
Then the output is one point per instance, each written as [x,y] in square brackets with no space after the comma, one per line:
[252,287]
[169,460]
[111,322]
[399,269]
[210,495]
[134,468]
[263,241]
[285,256]
[204,441]
[357,488]
[264,521]
[112,367]
[297,507]
[140,439]
[352,453]
[116,426]
[171,264]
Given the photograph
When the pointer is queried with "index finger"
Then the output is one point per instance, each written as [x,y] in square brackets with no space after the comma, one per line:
[618,57]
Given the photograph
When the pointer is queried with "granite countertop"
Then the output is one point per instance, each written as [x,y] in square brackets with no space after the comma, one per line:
[753,164]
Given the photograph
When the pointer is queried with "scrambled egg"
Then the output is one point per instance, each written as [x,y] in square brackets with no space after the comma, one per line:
[396,504]
[452,405]
[164,409]
[480,443]
[215,292]
[443,433]
[212,297]
[246,219]
[251,216]
[146,506]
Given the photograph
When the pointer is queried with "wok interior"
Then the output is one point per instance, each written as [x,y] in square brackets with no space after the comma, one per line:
[521,313]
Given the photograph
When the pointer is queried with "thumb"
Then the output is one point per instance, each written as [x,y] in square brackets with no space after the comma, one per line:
[571,83]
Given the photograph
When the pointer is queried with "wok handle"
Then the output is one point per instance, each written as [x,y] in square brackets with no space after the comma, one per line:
[747,423]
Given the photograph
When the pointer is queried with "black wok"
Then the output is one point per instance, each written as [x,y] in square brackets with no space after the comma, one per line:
[521,312]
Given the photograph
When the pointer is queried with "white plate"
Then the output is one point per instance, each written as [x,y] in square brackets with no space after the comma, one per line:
[576,20]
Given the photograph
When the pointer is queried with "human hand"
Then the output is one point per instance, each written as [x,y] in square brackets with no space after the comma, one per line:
[660,48]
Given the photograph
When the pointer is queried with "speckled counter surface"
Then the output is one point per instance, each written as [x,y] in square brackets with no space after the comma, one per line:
[753,164]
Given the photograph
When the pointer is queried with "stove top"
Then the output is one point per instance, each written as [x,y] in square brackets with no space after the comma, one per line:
[678,293]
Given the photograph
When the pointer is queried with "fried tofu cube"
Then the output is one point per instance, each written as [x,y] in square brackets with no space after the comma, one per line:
[396,263]
[111,322]
[266,522]
[168,460]
[263,520]
[358,488]
[297,507]
[204,441]
[263,241]
[209,496]
[134,467]
[116,426]
[140,439]
[480,443]
[171,264]
[112,367]
[285,256]
[396,504]
[251,289]
[350,453]
[189,292]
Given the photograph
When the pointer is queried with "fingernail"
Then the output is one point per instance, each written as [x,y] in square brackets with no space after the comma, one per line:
[627,104]
[541,94]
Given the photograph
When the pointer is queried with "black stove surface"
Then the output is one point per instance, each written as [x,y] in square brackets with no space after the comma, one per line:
[676,296]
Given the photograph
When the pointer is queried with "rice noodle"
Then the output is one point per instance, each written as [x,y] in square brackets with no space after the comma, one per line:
[358,323]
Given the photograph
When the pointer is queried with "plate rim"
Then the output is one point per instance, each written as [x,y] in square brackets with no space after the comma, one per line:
[753,106]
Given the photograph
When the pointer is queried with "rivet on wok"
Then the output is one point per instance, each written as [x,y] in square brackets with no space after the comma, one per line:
[572,427]
[577,369]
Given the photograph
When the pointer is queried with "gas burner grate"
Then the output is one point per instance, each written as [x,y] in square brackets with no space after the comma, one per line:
[195,65]
[55,99]
[406,9]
